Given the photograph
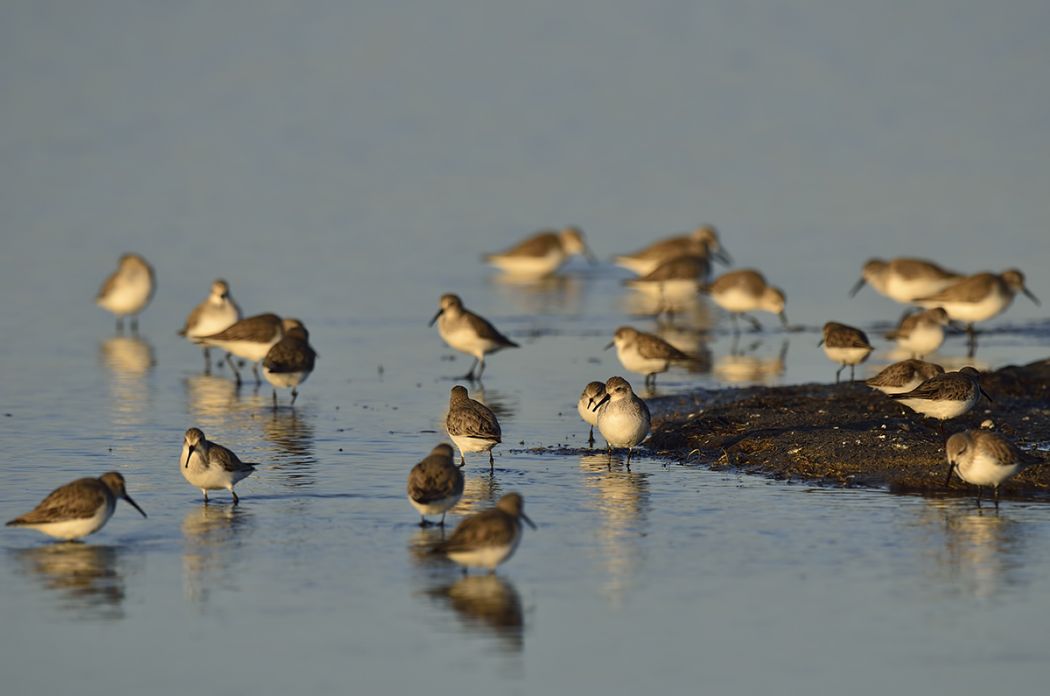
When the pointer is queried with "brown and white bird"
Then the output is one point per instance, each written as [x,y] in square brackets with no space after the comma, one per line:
[978,297]
[904,279]
[903,376]
[78,508]
[216,313]
[623,417]
[487,538]
[845,345]
[983,458]
[746,290]
[945,396]
[468,333]
[922,332]
[592,394]
[703,242]
[291,360]
[128,290]
[645,353]
[250,339]
[542,253]
[472,425]
[209,466]
[435,484]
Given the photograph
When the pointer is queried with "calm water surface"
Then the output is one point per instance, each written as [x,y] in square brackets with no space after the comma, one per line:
[347,166]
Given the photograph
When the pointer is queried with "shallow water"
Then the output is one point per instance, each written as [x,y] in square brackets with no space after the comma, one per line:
[347,167]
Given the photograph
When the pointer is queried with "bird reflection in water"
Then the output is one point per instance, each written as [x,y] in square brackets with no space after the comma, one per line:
[743,365]
[213,537]
[486,604]
[216,401]
[550,295]
[88,579]
[291,437]
[621,497]
[499,403]
[692,311]
[983,551]
[129,360]
[479,492]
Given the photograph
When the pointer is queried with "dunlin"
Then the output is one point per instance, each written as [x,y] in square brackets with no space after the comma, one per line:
[592,394]
[922,332]
[945,396]
[249,338]
[645,353]
[742,291]
[623,418]
[904,279]
[291,360]
[487,538]
[845,345]
[978,297]
[903,376]
[435,484]
[128,290]
[702,242]
[209,466]
[542,253]
[78,508]
[984,458]
[468,333]
[674,280]
[216,313]
[471,425]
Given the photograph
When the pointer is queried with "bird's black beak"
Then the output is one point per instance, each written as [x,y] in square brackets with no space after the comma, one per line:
[599,404]
[439,313]
[526,518]
[589,255]
[820,342]
[723,256]
[611,344]
[948,478]
[784,320]
[134,504]
[1029,295]
[985,395]
[189,454]
[856,288]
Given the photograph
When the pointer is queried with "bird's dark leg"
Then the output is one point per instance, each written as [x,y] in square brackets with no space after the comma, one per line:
[851,369]
[755,326]
[590,438]
[207,361]
[423,522]
[236,372]
[236,500]
[255,371]
[839,372]
[481,368]
[470,372]
[630,451]
[978,496]
[205,496]
[492,463]
[736,324]
[997,498]
[971,340]
[442,522]
[135,325]
[275,399]
[295,393]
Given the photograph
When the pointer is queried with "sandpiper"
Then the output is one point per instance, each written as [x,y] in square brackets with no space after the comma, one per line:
[983,458]
[978,297]
[209,466]
[746,290]
[249,338]
[291,360]
[904,279]
[78,508]
[623,418]
[945,396]
[487,538]
[468,333]
[542,253]
[471,425]
[921,332]
[435,484]
[216,313]
[645,353]
[903,376]
[702,242]
[845,345]
[592,394]
[128,290]
[674,280]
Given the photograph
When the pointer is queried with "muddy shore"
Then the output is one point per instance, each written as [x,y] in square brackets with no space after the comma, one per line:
[850,435]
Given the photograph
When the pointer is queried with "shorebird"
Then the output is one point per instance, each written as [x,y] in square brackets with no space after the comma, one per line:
[983,458]
[468,333]
[645,353]
[435,484]
[903,376]
[674,280]
[291,360]
[945,396]
[78,508]
[921,332]
[250,339]
[845,345]
[592,394]
[471,425]
[216,313]
[746,290]
[542,253]
[209,466]
[978,297]
[128,290]
[702,242]
[623,418]
[487,538]
[903,279]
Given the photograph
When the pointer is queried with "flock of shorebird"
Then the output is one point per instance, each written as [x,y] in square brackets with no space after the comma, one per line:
[671,270]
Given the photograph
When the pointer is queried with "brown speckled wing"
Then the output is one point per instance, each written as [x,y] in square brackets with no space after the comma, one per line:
[76,500]
[220,456]
[650,346]
[913,269]
[539,244]
[748,280]
[972,289]
[486,330]
[108,285]
[681,267]
[261,327]
[473,419]
[847,337]
[434,478]
[950,386]
[290,354]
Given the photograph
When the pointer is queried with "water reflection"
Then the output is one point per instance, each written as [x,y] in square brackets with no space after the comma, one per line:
[479,492]
[213,400]
[129,360]
[744,365]
[213,539]
[486,604]
[291,438]
[88,579]
[552,295]
[983,551]
[621,497]
[502,404]
[692,310]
